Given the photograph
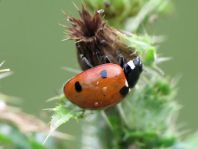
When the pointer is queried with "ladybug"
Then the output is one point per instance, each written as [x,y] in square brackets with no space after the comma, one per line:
[104,85]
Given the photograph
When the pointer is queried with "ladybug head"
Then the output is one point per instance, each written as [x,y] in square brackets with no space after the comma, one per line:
[132,71]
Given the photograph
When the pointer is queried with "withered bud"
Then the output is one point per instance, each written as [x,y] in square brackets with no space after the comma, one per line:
[95,39]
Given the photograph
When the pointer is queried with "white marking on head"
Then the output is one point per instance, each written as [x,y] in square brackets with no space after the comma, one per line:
[126,83]
[131,64]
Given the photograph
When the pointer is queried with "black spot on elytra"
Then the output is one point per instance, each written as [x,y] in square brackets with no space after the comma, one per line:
[103,73]
[78,87]
[124,90]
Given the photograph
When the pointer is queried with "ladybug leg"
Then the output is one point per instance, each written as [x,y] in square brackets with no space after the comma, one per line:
[98,55]
[106,59]
[121,60]
[85,61]
[82,57]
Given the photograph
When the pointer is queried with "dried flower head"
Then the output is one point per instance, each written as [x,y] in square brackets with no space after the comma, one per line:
[95,39]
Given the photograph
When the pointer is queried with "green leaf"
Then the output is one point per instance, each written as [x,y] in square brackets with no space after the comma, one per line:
[11,135]
[37,145]
[4,139]
[143,45]
[4,72]
[62,114]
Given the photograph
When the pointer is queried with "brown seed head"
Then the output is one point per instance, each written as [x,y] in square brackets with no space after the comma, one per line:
[95,39]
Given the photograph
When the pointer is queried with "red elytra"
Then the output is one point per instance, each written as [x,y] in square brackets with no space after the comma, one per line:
[97,88]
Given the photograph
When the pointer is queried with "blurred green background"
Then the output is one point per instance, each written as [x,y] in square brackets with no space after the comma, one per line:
[30,42]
